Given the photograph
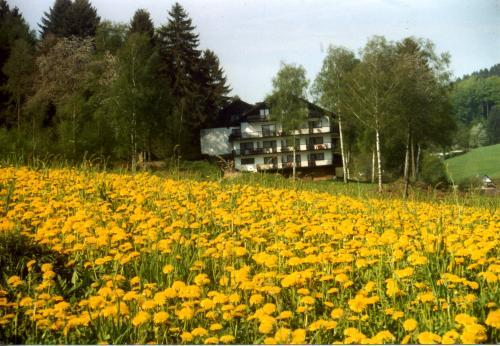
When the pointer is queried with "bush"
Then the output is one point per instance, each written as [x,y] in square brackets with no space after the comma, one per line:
[433,171]
[470,183]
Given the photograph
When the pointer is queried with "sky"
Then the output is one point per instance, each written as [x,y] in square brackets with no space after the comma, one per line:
[252,37]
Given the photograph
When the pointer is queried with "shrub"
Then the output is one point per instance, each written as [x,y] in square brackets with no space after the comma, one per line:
[433,171]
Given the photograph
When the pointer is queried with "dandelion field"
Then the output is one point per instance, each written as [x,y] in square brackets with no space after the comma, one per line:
[91,257]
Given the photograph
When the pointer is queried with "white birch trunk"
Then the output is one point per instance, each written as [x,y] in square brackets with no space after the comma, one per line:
[407,166]
[373,166]
[342,152]
[379,158]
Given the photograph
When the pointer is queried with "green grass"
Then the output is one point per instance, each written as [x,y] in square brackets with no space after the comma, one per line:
[476,163]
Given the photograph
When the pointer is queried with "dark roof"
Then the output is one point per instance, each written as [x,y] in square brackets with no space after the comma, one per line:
[231,115]
[239,111]
[314,110]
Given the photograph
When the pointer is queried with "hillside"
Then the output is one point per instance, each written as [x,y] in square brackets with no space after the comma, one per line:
[477,162]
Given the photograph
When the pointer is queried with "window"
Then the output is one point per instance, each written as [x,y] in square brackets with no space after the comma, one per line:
[248,161]
[315,124]
[246,148]
[264,112]
[316,140]
[289,158]
[246,145]
[269,144]
[288,143]
[269,130]
[317,157]
[270,160]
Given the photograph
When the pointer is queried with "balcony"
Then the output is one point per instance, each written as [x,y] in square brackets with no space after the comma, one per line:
[273,150]
[289,165]
[257,117]
[237,134]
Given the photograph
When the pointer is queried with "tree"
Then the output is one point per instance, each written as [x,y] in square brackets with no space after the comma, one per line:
[287,100]
[55,21]
[19,69]
[371,90]
[214,87]
[63,73]
[180,57]
[134,92]
[331,88]
[110,37]
[13,29]
[142,23]
[421,96]
[82,19]
[66,18]
[493,125]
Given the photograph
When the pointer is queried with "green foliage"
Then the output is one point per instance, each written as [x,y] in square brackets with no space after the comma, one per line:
[70,18]
[287,99]
[478,136]
[493,125]
[189,75]
[142,23]
[433,171]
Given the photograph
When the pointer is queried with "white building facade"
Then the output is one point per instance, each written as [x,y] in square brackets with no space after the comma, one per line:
[256,143]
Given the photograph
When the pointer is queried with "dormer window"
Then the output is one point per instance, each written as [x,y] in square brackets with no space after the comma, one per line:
[264,112]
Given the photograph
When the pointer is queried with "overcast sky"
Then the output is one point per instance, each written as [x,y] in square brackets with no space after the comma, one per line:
[251,37]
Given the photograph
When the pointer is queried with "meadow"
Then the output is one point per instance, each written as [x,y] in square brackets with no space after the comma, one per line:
[475,164]
[96,257]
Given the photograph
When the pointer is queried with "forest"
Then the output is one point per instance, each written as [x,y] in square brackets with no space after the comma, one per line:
[84,87]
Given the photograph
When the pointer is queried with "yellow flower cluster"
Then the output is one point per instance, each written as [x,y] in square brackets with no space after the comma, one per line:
[145,259]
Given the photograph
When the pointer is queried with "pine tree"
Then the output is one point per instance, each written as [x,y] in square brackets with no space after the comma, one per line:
[68,18]
[82,19]
[13,29]
[178,48]
[55,21]
[214,88]
[142,23]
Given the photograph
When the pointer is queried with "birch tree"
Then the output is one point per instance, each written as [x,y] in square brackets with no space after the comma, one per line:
[371,87]
[133,92]
[330,87]
[287,101]
[421,98]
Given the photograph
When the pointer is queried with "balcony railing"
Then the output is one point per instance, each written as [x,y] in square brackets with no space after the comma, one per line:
[261,134]
[289,165]
[303,147]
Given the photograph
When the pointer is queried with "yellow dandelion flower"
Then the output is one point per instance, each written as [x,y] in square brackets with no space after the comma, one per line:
[337,313]
[215,326]
[256,299]
[226,339]
[199,331]
[298,336]
[450,337]
[141,318]
[493,319]
[428,338]
[410,325]
[160,317]
[186,337]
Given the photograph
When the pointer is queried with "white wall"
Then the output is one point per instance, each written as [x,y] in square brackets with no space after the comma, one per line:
[215,141]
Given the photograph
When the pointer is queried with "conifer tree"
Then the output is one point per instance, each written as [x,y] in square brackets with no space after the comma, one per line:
[142,23]
[66,18]
[214,88]
[178,49]
[82,19]
[55,21]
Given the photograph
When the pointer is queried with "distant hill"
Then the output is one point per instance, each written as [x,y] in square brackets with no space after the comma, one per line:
[483,73]
[476,163]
